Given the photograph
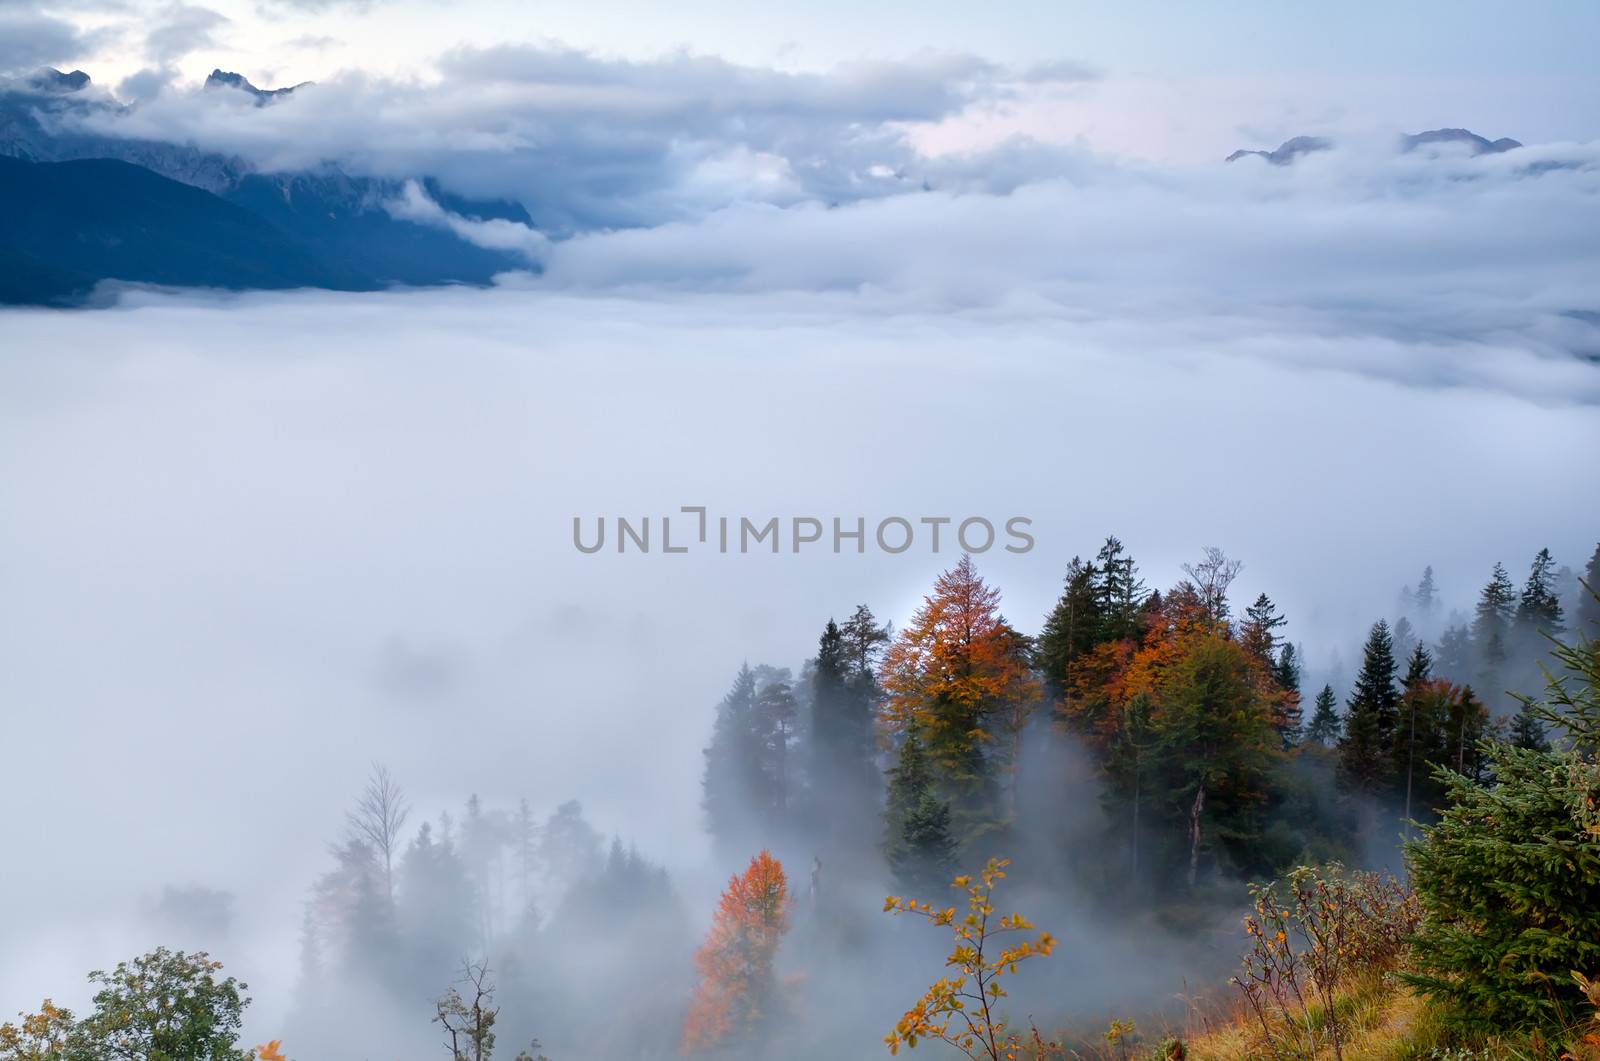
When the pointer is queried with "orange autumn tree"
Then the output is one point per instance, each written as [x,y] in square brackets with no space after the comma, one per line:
[1184,721]
[959,676]
[735,962]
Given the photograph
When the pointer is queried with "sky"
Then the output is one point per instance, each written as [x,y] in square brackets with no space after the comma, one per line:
[1155,81]
[841,261]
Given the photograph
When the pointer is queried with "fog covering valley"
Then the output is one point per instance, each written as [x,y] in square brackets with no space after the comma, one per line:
[262,550]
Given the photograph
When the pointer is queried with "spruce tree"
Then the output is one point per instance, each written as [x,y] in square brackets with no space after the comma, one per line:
[1072,627]
[1259,631]
[1119,593]
[1492,619]
[1539,607]
[1414,732]
[1509,879]
[1527,730]
[1370,715]
[1286,675]
[733,762]
[1426,597]
[1453,655]
[1325,728]
[919,843]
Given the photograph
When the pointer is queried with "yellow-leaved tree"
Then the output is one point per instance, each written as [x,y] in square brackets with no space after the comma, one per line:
[962,1009]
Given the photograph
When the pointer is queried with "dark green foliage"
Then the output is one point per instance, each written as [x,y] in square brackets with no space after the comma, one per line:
[1102,601]
[1373,708]
[1510,884]
[166,1006]
[1539,608]
[1588,610]
[1510,876]
[1527,730]
[1325,727]
[1214,750]
[920,845]
[1491,624]
[1259,631]
[1071,629]
[842,762]
[1453,655]
[1120,595]
[746,785]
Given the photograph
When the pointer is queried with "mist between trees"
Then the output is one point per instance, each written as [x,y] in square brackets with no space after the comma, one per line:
[1138,761]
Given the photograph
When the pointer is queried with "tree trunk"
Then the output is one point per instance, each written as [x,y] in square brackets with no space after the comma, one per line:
[1194,833]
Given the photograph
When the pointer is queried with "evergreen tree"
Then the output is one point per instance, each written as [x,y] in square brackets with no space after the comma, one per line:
[1426,597]
[1414,732]
[1259,631]
[1588,610]
[1453,655]
[843,766]
[436,909]
[1404,636]
[1539,607]
[1527,730]
[1509,879]
[774,720]
[1325,727]
[1370,715]
[1071,629]
[1119,594]
[1214,738]
[919,843]
[1492,620]
[1286,675]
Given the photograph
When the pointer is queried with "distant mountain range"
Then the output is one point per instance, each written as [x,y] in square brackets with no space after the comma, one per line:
[173,214]
[1292,149]
[82,207]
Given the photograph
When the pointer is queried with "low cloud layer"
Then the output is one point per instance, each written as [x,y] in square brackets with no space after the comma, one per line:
[253,543]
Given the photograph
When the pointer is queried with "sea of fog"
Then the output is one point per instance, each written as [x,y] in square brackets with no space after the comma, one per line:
[249,544]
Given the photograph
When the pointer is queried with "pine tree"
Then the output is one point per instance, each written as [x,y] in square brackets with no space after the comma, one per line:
[1539,607]
[919,844]
[1325,727]
[1370,715]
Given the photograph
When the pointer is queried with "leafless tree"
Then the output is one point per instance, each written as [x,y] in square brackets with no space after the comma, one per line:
[378,817]
[1211,577]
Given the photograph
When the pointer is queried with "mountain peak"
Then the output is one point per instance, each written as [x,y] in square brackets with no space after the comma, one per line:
[1478,145]
[1287,151]
[220,78]
[50,79]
